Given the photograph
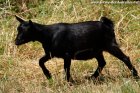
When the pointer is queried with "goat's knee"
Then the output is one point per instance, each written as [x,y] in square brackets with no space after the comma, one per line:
[102,64]
[42,65]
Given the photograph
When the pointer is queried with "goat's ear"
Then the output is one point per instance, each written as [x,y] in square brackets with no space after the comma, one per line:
[32,26]
[19,19]
[31,23]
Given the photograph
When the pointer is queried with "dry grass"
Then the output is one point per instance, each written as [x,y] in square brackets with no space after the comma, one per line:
[19,70]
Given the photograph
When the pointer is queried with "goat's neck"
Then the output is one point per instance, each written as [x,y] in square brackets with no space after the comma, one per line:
[43,34]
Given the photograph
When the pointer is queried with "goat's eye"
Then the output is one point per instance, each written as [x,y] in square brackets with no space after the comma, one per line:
[19,28]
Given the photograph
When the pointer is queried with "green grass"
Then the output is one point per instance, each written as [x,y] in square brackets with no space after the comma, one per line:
[19,69]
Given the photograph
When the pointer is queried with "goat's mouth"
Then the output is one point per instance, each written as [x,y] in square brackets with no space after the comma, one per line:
[19,42]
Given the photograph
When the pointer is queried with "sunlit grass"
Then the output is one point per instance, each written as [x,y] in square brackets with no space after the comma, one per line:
[19,69]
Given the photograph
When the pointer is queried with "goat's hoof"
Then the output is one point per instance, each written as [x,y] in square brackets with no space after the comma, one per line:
[88,77]
[71,80]
[137,78]
[50,80]
[99,78]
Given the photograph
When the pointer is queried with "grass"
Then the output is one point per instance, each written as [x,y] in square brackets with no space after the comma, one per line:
[19,69]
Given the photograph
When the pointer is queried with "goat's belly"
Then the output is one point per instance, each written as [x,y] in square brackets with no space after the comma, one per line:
[85,55]
[79,55]
[57,54]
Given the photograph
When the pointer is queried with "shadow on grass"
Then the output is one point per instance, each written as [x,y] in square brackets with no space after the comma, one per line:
[103,79]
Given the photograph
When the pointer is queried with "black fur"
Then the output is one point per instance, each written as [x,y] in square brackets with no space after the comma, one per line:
[81,41]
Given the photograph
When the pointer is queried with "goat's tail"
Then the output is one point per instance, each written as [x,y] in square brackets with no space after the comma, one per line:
[107,22]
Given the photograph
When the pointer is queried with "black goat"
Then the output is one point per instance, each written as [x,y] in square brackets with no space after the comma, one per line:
[81,41]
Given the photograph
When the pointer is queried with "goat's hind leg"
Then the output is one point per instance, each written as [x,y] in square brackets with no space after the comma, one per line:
[114,50]
[42,65]
[101,64]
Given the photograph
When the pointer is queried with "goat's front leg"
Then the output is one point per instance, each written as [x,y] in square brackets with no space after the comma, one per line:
[67,64]
[42,65]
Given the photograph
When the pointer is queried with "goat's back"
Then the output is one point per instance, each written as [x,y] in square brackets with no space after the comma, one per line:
[81,36]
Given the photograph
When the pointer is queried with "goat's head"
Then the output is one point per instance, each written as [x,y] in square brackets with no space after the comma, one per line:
[24,31]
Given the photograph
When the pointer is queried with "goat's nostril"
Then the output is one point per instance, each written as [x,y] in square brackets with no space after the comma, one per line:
[16,43]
